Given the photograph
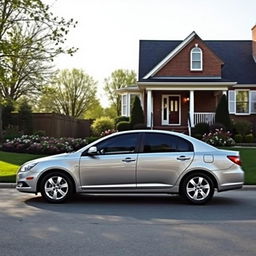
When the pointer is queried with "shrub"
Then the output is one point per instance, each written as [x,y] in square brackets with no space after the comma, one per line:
[121,118]
[91,139]
[35,144]
[39,133]
[217,126]
[222,114]
[102,124]
[137,114]
[249,138]
[140,126]
[243,127]
[219,138]
[201,128]
[238,138]
[25,117]
[107,132]
[123,126]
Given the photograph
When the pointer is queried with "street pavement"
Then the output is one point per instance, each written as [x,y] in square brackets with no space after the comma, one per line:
[128,225]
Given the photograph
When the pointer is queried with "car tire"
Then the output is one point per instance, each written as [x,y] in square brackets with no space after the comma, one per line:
[56,187]
[197,188]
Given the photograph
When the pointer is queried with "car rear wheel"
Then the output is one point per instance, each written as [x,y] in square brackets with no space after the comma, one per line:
[56,187]
[197,188]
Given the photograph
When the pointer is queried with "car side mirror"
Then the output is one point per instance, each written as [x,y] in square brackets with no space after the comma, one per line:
[92,151]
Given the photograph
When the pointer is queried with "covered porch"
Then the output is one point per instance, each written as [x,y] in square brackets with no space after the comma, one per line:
[178,107]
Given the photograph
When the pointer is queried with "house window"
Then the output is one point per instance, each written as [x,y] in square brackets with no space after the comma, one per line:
[124,105]
[242,102]
[196,59]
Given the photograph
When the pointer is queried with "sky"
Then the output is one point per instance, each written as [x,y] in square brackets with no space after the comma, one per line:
[108,31]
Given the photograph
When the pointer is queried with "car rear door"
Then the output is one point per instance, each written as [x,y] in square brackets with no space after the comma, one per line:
[163,157]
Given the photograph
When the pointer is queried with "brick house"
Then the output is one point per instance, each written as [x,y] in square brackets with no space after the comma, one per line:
[180,82]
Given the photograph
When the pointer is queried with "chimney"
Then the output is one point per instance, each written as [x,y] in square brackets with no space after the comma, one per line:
[254,42]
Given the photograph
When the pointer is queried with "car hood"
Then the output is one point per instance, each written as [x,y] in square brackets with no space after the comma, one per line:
[54,157]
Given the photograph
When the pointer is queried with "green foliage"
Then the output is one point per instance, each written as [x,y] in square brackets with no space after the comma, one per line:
[30,38]
[25,117]
[243,127]
[249,138]
[238,138]
[219,138]
[102,124]
[118,79]
[222,114]
[91,139]
[200,129]
[123,126]
[121,118]
[7,109]
[71,93]
[217,126]
[137,114]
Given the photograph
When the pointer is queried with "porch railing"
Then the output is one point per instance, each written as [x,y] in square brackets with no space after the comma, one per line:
[204,117]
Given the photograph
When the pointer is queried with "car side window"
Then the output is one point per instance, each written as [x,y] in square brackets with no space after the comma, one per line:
[156,142]
[122,144]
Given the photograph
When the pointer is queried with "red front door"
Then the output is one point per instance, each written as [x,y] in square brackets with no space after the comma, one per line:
[174,110]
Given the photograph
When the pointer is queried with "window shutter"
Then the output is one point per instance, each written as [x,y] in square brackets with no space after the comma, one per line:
[231,102]
[253,102]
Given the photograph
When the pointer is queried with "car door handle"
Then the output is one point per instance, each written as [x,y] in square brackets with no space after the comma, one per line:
[183,158]
[128,160]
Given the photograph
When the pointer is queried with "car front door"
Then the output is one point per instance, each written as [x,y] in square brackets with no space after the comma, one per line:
[162,159]
[114,164]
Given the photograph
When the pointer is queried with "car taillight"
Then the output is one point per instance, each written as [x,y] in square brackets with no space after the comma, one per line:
[235,159]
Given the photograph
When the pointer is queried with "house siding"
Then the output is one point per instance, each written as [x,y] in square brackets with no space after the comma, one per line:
[180,64]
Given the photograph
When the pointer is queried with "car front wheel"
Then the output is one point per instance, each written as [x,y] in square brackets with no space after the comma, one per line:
[56,187]
[197,188]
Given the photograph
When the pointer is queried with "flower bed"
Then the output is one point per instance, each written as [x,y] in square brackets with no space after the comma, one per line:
[35,144]
[219,138]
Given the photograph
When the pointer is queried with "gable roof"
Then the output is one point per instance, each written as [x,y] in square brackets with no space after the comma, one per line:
[239,65]
[171,55]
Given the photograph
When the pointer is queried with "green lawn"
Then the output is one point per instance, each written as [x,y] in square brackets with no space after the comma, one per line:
[10,162]
[248,157]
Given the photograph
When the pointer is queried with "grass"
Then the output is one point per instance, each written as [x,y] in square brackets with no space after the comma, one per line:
[10,163]
[248,157]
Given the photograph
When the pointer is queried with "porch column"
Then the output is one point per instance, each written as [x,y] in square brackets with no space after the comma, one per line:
[149,108]
[191,108]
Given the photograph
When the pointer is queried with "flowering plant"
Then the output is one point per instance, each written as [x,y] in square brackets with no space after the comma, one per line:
[36,144]
[219,138]
[107,132]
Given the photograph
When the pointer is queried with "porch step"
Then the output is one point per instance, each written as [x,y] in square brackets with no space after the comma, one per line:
[181,129]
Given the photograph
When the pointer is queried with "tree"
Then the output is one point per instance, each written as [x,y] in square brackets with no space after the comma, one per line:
[30,37]
[137,114]
[25,117]
[118,79]
[71,93]
[222,114]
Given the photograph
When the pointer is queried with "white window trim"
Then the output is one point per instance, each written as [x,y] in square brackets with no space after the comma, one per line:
[201,59]
[249,109]
[128,103]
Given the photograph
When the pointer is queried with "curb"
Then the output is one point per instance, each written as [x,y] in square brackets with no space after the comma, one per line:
[13,185]
[7,185]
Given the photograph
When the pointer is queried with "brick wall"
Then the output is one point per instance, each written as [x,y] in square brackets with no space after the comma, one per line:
[180,64]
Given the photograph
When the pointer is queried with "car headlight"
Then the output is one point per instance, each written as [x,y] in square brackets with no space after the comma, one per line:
[27,167]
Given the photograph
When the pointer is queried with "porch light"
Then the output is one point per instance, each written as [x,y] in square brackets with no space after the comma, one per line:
[186,99]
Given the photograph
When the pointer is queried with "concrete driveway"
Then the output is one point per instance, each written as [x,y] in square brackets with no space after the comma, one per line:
[128,225]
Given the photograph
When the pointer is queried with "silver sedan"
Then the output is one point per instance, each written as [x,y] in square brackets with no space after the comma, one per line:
[138,161]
